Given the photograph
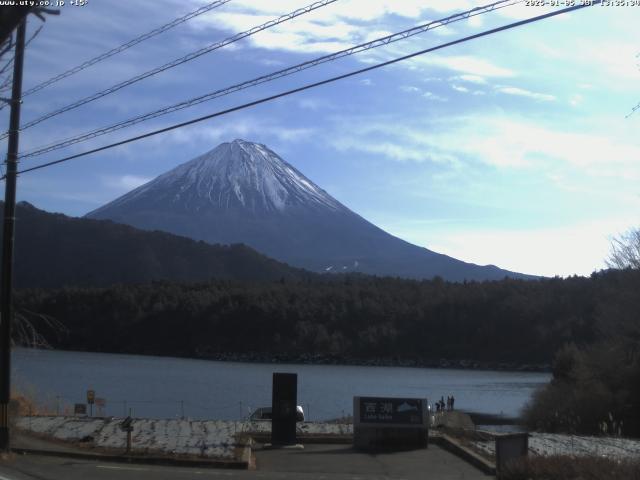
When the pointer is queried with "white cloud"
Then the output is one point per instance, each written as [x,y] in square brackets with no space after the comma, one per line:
[443,31]
[475,21]
[460,88]
[504,142]
[333,27]
[520,142]
[617,60]
[576,100]
[580,248]
[520,11]
[434,97]
[466,64]
[451,5]
[393,150]
[314,104]
[521,92]
[125,182]
[472,79]
[344,9]
[248,130]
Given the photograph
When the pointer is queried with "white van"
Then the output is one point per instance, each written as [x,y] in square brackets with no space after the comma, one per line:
[264,413]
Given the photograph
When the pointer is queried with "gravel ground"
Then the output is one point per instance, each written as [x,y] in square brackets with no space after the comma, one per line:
[557,444]
[211,438]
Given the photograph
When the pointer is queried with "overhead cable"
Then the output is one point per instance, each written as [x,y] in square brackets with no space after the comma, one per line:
[125,46]
[313,85]
[379,42]
[178,61]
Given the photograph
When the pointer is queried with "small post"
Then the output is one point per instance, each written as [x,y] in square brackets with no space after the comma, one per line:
[127,426]
[182,409]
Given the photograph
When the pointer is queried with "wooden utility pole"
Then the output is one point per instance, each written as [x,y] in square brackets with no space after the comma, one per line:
[6,287]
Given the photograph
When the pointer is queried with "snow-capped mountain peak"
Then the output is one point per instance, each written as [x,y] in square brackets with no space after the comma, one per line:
[235,175]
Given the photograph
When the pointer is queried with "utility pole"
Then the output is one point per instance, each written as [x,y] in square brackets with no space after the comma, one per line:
[6,287]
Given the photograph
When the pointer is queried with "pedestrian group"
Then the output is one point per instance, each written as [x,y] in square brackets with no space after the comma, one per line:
[440,404]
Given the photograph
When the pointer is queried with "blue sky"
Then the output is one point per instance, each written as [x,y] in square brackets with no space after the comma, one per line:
[512,149]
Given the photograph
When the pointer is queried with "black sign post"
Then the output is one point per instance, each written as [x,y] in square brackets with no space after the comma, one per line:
[283,408]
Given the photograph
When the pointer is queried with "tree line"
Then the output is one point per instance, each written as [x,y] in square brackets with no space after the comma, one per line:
[343,317]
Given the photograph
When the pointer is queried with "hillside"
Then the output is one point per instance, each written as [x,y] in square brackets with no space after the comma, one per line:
[54,250]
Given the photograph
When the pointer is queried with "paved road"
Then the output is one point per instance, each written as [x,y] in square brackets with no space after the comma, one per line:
[315,462]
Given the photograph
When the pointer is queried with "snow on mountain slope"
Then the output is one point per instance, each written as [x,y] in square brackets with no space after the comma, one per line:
[239,174]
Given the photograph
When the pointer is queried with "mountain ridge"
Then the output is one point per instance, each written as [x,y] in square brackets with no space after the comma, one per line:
[54,250]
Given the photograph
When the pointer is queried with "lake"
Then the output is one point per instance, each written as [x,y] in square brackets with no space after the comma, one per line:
[166,387]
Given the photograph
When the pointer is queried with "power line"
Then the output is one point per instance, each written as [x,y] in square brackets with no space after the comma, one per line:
[178,61]
[271,76]
[315,84]
[125,46]
[633,110]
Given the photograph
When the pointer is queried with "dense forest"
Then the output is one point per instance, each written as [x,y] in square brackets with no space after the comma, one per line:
[343,318]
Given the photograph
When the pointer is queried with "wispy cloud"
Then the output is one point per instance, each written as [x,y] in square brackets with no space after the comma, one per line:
[329,28]
[472,79]
[521,92]
[434,97]
[125,182]
[466,64]
[501,142]
[410,89]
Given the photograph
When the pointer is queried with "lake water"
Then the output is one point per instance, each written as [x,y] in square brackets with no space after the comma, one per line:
[166,387]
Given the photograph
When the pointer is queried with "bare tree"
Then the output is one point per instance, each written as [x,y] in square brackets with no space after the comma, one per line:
[625,250]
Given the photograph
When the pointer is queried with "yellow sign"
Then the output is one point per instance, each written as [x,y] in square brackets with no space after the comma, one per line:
[91,396]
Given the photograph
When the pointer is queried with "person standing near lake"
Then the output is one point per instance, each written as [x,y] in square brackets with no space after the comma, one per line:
[452,400]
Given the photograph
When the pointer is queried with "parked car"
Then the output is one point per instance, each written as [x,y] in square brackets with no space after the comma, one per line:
[264,413]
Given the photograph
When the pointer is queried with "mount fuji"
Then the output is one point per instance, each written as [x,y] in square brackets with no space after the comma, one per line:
[243,192]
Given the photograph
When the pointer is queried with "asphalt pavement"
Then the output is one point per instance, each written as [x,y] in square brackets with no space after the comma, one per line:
[317,462]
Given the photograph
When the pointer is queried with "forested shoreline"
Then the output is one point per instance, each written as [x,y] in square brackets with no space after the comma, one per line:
[340,319]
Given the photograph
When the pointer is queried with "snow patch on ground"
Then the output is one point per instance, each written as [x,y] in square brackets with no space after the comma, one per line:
[558,444]
[208,438]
